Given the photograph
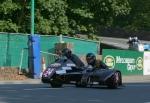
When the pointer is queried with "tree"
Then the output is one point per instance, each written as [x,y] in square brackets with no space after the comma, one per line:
[138,18]
[105,11]
[51,18]
[74,16]
[7,13]
[91,15]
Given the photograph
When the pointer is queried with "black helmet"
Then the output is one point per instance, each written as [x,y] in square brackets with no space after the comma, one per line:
[66,52]
[91,59]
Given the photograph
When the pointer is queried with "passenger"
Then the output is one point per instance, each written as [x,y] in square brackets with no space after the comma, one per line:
[74,58]
[91,60]
[136,39]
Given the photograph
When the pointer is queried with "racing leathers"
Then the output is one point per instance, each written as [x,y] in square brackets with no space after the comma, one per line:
[75,59]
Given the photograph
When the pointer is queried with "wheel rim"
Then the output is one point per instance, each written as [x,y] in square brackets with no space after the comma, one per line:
[116,77]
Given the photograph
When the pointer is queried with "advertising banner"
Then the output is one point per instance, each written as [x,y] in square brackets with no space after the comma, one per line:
[127,61]
[146,63]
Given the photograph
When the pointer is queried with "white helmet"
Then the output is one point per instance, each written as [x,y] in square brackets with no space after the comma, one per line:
[130,38]
[136,38]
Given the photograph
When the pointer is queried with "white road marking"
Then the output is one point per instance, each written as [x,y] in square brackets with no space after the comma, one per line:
[8,90]
[42,89]
[94,100]
[6,87]
[3,102]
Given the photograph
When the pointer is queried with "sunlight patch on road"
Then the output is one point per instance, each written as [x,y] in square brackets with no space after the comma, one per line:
[146,102]
[2,100]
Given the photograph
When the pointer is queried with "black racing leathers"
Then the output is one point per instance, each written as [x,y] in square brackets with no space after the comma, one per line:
[74,58]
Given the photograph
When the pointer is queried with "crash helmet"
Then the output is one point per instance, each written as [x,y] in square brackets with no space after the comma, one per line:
[130,38]
[66,52]
[136,39]
[91,59]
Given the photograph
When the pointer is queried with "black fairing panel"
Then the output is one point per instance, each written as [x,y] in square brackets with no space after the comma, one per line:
[103,74]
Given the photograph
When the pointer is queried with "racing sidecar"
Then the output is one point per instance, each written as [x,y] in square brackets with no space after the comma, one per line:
[64,71]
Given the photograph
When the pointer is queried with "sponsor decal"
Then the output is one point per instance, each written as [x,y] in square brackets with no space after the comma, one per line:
[139,63]
[109,61]
[124,60]
[146,63]
[130,63]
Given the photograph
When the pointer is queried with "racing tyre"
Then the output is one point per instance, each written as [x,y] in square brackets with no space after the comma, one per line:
[81,84]
[56,83]
[78,84]
[84,83]
[115,80]
[89,82]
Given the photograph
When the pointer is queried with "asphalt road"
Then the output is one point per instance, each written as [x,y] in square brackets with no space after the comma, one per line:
[42,93]
[118,42]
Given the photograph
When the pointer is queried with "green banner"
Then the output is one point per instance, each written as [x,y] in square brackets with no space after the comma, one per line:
[127,61]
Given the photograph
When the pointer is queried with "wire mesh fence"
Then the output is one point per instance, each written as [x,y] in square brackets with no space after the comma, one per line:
[48,57]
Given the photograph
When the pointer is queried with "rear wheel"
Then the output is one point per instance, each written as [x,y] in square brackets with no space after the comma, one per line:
[115,81]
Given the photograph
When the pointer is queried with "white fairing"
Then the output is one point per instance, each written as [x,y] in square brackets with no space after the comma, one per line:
[137,47]
[61,71]
[140,47]
[71,65]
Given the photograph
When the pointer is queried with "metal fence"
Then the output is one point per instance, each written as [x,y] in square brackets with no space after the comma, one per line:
[14,48]
[48,57]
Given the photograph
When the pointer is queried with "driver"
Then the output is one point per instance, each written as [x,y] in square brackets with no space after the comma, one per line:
[74,58]
[91,60]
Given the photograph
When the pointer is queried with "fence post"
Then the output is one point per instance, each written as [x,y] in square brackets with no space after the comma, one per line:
[34,56]
[43,64]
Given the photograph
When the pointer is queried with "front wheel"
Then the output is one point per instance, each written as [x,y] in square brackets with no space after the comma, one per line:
[56,83]
[80,84]
[84,83]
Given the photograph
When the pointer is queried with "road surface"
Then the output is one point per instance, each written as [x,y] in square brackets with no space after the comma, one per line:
[43,93]
[117,42]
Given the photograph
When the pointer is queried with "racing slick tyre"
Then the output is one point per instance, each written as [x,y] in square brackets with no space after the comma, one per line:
[80,84]
[56,83]
[114,81]
[84,83]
